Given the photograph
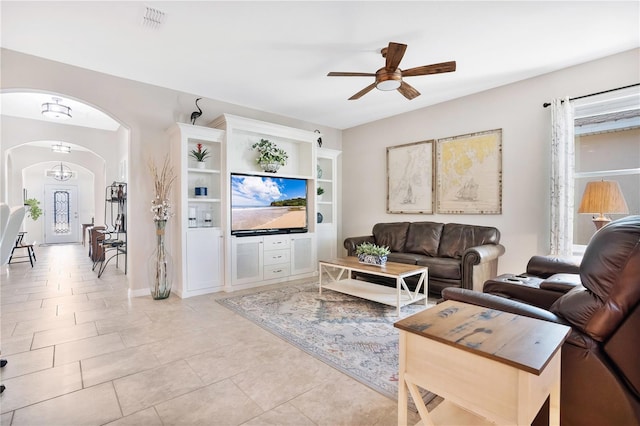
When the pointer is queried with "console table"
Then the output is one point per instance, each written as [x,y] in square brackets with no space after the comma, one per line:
[497,365]
[398,297]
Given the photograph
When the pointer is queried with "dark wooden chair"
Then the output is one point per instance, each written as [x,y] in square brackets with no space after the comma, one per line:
[21,245]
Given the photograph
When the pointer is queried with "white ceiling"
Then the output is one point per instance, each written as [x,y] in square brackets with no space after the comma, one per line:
[274,56]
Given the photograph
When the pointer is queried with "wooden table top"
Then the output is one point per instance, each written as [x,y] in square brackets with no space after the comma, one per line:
[522,342]
[390,269]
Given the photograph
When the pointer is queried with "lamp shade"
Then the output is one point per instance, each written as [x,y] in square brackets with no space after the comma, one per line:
[603,197]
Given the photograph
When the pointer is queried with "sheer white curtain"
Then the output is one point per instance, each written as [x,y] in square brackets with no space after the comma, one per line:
[562,170]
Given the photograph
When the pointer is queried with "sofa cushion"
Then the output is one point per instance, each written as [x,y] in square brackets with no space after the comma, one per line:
[424,238]
[410,258]
[392,235]
[456,238]
[442,267]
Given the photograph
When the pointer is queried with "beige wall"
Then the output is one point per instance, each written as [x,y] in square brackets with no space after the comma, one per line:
[517,110]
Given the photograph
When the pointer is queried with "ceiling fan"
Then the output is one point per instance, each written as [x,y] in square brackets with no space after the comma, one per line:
[390,77]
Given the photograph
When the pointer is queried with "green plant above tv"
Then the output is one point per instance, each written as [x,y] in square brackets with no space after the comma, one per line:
[270,157]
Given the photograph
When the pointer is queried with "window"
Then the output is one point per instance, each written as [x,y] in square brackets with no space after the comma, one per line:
[61,212]
[607,147]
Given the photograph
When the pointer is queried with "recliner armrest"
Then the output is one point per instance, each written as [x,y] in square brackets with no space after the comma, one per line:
[561,282]
[499,303]
[546,266]
[352,242]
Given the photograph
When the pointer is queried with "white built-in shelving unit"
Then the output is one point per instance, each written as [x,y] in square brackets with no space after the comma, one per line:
[327,217]
[199,263]
[209,257]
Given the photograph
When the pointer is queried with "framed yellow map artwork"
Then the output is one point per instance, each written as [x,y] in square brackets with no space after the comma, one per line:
[410,178]
[469,173]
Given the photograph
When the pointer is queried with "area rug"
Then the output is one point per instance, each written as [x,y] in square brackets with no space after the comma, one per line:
[353,335]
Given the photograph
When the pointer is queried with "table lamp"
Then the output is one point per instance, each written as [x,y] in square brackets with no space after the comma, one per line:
[602,197]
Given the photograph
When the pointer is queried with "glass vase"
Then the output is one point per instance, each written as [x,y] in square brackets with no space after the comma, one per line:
[160,265]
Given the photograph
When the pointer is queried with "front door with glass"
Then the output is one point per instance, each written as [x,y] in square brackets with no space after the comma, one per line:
[61,214]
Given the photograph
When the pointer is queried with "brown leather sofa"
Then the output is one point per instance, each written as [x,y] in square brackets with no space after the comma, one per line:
[457,255]
[600,378]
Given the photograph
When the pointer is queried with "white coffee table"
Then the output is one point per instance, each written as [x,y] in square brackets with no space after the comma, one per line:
[399,296]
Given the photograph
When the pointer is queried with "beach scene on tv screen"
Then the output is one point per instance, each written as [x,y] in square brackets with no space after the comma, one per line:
[259,202]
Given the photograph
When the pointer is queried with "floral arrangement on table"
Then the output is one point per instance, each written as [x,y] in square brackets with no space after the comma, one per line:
[162,181]
[270,157]
[200,153]
[372,254]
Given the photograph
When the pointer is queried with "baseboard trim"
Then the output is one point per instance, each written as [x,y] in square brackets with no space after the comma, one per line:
[138,292]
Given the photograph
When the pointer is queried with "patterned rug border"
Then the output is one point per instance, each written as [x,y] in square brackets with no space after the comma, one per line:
[304,346]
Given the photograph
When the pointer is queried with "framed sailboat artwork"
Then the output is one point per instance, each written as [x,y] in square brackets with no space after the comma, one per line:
[410,178]
[469,173]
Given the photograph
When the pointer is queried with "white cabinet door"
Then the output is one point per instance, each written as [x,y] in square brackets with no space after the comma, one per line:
[247,260]
[204,261]
[326,234]
[302,254]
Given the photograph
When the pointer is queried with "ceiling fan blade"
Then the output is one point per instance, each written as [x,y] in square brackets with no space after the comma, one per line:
[394,55]
[350,74]
[430,69]
[408,91]
[363,92]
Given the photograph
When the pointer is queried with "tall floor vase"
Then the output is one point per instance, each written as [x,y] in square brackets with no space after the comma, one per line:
[160,265]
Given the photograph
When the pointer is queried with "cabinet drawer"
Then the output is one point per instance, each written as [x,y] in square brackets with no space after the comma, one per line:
[276,271]
[276,242]
[272,257]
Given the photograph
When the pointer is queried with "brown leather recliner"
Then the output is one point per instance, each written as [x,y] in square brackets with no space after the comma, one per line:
[600,373]
[546,279]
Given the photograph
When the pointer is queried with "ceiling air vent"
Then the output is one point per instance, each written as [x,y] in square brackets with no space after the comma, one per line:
[152,18]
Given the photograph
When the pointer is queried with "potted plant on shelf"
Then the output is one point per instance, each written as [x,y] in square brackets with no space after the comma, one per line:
[270,157]
[372,254]
[320,191]
[200,154]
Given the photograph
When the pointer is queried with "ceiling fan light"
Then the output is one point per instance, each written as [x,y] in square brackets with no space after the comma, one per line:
[388,85]
[56,110]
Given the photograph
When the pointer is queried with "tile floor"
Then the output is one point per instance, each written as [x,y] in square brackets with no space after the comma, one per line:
[80,352]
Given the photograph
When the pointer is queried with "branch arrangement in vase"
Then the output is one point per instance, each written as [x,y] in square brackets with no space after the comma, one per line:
[162,181]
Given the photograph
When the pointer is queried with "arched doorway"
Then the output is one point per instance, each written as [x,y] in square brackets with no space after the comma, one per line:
[98,147]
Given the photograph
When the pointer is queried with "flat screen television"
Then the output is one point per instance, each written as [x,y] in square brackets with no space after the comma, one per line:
[267,205]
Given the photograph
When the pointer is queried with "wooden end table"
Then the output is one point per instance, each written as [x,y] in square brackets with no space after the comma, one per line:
[497,365]
[399,296]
